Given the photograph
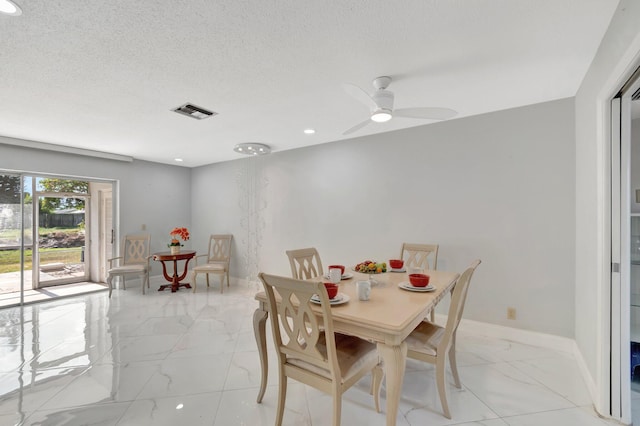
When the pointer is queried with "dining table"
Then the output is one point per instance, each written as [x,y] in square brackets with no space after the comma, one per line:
[387,318]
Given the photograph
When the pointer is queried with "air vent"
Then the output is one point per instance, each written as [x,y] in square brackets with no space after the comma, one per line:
[196,112]
[636,95]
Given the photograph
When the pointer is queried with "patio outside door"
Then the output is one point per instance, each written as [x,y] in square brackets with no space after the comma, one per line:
[60,255]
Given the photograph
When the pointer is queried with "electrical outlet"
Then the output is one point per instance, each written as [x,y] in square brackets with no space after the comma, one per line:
[511,313]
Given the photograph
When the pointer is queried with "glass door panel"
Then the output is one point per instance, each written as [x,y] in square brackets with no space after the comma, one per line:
[61,240]
[10,233]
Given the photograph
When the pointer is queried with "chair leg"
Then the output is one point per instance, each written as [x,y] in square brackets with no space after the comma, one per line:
[227,278]
[453,363]
[377,375]
[194,276]
[124,282]
[143,282]
[207,280]
[337,407]
[109,281]
[221,283]
[440,370]
[282,395]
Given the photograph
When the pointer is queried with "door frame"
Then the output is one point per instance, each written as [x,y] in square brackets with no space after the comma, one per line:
[620,281]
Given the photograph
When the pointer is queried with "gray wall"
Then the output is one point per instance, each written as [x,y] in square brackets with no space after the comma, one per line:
[152,194]
[499,187]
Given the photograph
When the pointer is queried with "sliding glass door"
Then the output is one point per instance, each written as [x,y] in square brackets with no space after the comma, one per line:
[13,235]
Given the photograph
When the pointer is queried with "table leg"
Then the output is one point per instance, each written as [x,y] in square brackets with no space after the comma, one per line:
[259,329]
[395,359]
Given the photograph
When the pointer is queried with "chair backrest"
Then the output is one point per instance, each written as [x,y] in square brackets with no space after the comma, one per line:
[294,317]
[305,263]
[135,249]
[418,255]
[220,249]
[458,299]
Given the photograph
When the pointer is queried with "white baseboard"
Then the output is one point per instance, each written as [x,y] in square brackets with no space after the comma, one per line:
[526,337]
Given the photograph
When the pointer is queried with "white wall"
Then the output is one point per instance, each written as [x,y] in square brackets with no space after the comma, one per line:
[612,65]
[152,194]
[499,187]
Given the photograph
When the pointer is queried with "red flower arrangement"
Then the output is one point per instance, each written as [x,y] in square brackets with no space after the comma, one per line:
[182,233]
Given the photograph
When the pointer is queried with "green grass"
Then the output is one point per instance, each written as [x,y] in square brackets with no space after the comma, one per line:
[10,259]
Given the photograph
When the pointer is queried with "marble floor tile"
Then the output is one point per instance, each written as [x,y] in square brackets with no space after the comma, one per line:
[98,415]
[560,374]
[187,410]
[189,358]
[239,407]
[508,391]
[186,376]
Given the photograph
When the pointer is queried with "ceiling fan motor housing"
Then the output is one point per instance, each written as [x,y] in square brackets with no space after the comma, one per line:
[384,100]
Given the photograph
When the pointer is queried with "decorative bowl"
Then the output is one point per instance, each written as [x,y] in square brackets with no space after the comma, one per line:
[419,280]
[332,289]
[396,263]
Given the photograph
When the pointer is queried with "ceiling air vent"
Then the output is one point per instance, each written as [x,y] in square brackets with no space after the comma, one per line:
[196,112]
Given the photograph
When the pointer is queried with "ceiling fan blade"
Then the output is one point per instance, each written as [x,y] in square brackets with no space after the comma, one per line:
[357,127]
[360,95]
[426,113]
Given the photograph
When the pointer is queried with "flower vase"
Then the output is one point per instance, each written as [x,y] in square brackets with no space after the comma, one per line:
[175,249]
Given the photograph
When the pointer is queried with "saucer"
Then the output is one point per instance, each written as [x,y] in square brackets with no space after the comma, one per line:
[403,269]
[345,276]
[338,300]
[407,286]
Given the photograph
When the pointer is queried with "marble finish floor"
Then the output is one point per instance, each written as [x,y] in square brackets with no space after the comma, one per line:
[191,359]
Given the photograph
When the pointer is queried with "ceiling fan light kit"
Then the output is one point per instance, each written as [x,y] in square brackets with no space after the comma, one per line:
[381,105]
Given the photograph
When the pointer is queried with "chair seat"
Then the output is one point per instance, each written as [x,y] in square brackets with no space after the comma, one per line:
[127,269]
[352,354]
[210,267]
[425,338]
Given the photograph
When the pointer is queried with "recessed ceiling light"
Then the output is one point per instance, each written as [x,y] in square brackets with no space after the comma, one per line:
[10,8]
[252,148]
[179,160]
[309,131]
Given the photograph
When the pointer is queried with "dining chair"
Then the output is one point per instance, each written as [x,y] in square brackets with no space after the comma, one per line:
[310,351]
[133,260]
[218,259]
[432,343]
[305,263]
[419,255]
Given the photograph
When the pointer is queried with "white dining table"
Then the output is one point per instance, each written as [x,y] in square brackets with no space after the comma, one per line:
[386,318]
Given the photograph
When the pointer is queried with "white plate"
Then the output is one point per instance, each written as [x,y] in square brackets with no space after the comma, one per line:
[338,300]
[345,276]
[403,269]
[407,286]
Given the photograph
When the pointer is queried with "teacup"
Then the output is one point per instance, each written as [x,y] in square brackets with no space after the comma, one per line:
[332,289]
[335,275]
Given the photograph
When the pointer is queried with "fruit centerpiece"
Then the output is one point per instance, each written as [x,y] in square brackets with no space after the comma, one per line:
[371,267]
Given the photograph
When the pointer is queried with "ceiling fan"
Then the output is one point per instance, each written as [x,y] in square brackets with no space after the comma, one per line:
[381,105]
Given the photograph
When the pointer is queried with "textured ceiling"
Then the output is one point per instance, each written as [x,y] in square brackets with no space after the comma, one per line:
[104,75]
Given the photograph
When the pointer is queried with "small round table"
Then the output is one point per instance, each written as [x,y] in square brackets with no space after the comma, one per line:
[166,256]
